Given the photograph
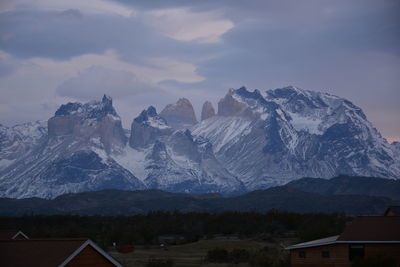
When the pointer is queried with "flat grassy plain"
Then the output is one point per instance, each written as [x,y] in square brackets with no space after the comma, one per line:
[193,254]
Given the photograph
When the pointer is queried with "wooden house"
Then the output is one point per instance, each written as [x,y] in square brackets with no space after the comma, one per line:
[392,211]
[365,237]
[53,252]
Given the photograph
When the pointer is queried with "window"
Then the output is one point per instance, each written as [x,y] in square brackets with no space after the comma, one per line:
[356,251]
[302,254]
[325,254]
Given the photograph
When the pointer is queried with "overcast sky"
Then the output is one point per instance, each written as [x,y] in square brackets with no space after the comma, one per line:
[153,52]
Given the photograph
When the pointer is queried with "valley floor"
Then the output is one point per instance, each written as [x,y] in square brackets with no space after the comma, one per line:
[194,254]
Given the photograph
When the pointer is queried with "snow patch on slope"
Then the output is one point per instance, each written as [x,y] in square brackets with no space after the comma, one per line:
[134,161]
[308,124]
[231,128]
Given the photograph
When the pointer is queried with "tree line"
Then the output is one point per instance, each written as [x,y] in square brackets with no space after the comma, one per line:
[145,229]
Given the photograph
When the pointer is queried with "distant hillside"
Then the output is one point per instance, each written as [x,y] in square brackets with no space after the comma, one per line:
[290,199]
[350,185]
[118,202]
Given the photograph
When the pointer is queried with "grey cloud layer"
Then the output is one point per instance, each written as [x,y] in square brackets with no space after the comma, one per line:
[95,79]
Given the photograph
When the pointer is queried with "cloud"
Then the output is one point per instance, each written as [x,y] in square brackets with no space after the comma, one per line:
[95,80]
[39,83]
[185,25]
[7,65]
[61,35]
[87,6]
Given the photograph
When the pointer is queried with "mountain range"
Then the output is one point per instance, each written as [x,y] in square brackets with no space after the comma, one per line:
[255,140]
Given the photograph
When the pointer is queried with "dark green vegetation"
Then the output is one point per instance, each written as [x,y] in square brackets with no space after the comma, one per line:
[209,239]
[262,253]
[266,256]
[146,229]
[350,195]
[160,263]
[349,185]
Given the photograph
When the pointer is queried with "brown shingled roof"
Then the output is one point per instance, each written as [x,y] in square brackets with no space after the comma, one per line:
[370,228]
[47,252]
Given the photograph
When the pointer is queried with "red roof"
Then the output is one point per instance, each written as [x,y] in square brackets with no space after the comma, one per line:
[367,229]
[395,210]
[46,252]
[372,228]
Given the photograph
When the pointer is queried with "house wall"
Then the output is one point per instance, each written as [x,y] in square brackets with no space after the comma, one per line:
[388,250]
[89,257]
[339,255]
[389,212]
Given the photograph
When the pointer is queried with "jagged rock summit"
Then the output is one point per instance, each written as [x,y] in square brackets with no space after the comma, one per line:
[73,156]
[173,159]
[207,111]
[91,120]
[147,127]
[258,139]
[179,115]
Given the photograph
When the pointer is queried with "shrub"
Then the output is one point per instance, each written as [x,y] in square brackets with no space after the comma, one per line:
[239,255]
[218,255]
[260,259]
[159,263]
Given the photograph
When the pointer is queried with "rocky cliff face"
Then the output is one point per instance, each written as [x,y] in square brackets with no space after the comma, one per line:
[179,115]
[207,111]
[90,120]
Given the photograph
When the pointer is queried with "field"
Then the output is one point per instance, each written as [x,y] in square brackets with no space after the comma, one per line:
[193,254]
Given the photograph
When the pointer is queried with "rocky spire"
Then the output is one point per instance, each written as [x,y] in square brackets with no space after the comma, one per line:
[229,106]
[179,115]
[207,111]
[147,128]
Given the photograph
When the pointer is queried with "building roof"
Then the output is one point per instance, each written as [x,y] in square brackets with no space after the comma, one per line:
[372,228]
[394,210]
[11,234]
[49,252]
[368,229]
[317,242]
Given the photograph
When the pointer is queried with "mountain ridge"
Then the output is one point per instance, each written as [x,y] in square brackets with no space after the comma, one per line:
[120,202]
[256,139]
[345,185]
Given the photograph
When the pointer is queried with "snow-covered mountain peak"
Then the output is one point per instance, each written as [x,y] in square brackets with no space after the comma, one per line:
[304,110]
[149,117]
[90,110]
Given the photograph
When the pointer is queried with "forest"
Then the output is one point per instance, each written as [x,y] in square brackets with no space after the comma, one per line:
[146,229]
